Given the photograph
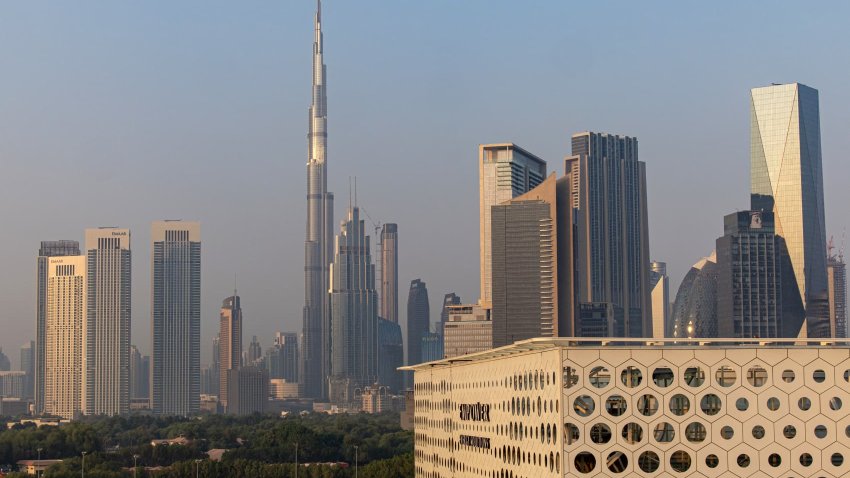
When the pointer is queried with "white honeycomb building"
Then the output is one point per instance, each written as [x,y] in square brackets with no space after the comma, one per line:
[564,407]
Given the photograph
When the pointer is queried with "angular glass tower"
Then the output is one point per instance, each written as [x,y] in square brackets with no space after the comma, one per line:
[786,177]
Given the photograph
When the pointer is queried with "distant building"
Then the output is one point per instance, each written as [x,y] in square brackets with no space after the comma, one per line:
[5,363]
[659,284]
[432,347]
[377,399]
[695,309]
[449,300]
[248,390]
[389,272]
[390,354]
[468,329]
[837,282]
[418,319]
[28,367]
[283,358]
[280,389]
[140,374]
[13,384]
[47,250]
[255,351]
[230,345]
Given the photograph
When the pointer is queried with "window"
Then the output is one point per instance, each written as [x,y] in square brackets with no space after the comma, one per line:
[679,404]
[806,459]
[631,377]
[584,405]
[600,377]
[680,461]
[694,376]
[664,432]
[835,404]
[695,432]
[790,431]
[773,404]
[725,376]
[617,462]
[585,462]
[616,405]
[819,376]
[663,377]
[571,433]
[712,461]
[804,403]
[837,459]
[742,404]
[647,405]
[710,404]
[600,433]
[758,432]
[788,376]
[727,432]
[743,460]
[820,431]
[632,433]
[648,461]
[757,376]
[774,460]
[570,377]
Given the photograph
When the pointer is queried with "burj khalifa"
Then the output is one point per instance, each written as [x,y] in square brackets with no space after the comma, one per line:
[319,240]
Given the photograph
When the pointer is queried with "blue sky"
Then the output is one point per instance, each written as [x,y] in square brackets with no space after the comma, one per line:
[120,113]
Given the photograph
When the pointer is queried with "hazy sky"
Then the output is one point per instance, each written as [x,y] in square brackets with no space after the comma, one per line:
[121,113]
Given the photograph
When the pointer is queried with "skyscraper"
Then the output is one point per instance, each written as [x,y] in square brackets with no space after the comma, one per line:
[319,242]
[786,178]
[354,308]
[695,308]
[418,320]
[608,196]
[64,332]
[47,250]
[255,351]
[468,329]
[140,374]
[283,357]
[659,284]
[449,300]
[28,367]
[5,363]
[107,331]
[389,272]
[837,281]
[176,317]
[390,354]
[230,344]
[505,171]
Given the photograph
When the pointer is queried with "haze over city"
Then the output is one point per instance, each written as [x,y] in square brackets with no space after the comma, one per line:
[122,114]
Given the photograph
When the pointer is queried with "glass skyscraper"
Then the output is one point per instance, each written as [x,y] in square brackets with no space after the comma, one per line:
[787,179]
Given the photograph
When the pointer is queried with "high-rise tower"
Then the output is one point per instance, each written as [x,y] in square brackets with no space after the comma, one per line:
[319,241]
[230,345]
[389,272]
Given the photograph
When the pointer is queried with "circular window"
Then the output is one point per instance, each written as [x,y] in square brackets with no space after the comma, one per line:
[632,433]
[663,377]
[616,405]
[712,461]
[584,405]
[727,432]
[820,431]
[819,376]
[837,459]
[773,404]
[847,431]
[804,403]
[694,376]
[790,431]
[571,433]
[806,459]
[835,403]
[757,376]
[680,461]
[570,377]
[774,460]
[679,404]
[788,376]
[758,432]
[647,405]
[617,461]
[664,432]
[743,460]
[648,461]
[600,433]
[600,377]
[710,404]
[742,404]
[725,376]
[847,375]
[631,377]
[585,462]
[695,432]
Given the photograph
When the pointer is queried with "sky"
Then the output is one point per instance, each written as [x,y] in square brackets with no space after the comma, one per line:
[118,113]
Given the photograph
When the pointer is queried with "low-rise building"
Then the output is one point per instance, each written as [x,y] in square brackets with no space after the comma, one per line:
[36,467]
[468,329]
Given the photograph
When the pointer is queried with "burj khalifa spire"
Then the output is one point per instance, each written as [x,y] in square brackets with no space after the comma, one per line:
[319,241]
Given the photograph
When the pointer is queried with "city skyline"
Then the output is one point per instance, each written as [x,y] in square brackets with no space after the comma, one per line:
[451,271]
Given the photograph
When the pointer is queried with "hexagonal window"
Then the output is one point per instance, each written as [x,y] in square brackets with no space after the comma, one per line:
[742,404]
[835,404]
[743,460]
[632,433]
[725,376]
[819,376]
[757,376]
[712,461]
[804,403]
[790,431]
[774,460]
[648,461]
[663,377]
[727,432]
[710,404]
[647,405]
[773,404]
[616,405]
[570,377]
[600,433]
[600,377]
[617,461]
[631,377]
[695,432]
[664,432]
[694,376]
[837,459]
[584,405]
[820,431]
[679,404]
[680,461]
[585,462]
[758,432]
[788,376]
[571,433]
[806,459]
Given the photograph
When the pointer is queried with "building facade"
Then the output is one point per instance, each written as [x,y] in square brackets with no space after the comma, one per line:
[449,300]
[607,186]
[837,284]
[230,345]
[562,408]
[786,177]
[390,354]
[468,329]
[140,374]
[283,357]
[28,367]
[248,390]
[47,250]
[505,171]
[418,319]
[176,317]
[695,308]
[107,331]
[13,384]
[389,272]
[659,284]
[64,332]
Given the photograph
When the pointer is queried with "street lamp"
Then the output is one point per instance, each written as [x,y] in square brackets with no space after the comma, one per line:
[197,463]
[38,473]
[296,459]
[355,460]
[135,467]
[83,468]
